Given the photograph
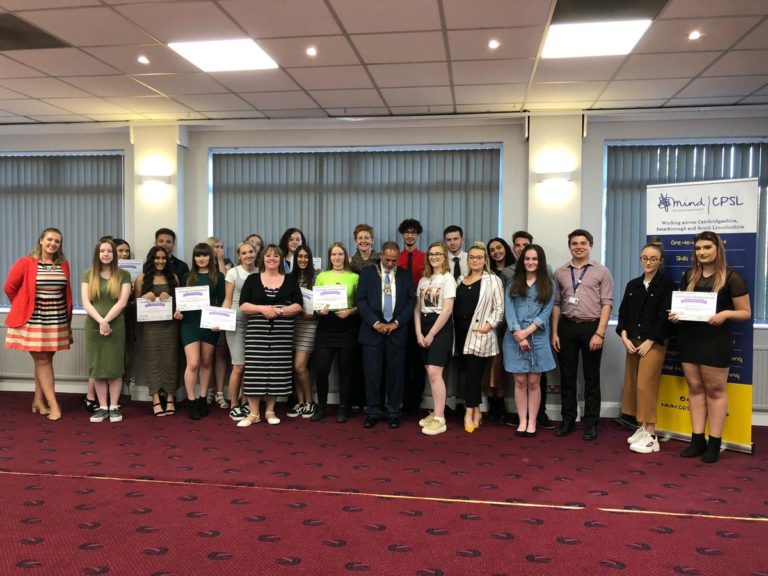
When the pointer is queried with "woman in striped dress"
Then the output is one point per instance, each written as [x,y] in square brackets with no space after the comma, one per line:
[41,310]
[271,300]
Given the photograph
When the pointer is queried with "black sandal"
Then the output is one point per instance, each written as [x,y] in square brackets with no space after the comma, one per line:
[170,408]
[90,405]
[160,412]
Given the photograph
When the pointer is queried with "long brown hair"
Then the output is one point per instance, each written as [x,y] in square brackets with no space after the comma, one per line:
[697,270]
[519,287]
[202,249]
[59,257]
[94,278]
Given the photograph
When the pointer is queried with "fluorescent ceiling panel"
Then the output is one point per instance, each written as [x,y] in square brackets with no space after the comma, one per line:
[224,55]
[593,38]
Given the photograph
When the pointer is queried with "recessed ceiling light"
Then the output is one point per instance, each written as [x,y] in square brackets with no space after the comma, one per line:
[695,35]
[493,44]
[224,55]
[142,59]
[593,38]
[312,51]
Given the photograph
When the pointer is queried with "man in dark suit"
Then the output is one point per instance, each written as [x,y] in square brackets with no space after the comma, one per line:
[385,299]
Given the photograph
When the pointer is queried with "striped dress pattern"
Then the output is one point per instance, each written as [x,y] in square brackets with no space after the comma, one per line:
[48,328]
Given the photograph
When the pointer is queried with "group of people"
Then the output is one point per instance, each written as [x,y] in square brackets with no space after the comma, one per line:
[493,313]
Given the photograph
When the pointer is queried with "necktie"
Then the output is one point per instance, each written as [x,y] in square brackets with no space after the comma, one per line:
[387,298]
[409,267]
[456,268]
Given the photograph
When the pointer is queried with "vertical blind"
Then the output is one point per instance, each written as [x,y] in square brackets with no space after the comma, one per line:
[631,168]
[81,195]
[326,194]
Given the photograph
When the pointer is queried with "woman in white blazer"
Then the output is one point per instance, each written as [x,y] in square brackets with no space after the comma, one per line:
[477,310]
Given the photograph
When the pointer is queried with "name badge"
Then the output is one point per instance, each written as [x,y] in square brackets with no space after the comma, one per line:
[573,300]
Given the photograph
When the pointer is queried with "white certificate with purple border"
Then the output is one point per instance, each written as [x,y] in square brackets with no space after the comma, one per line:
[694,306]
[221,318]
[154,310]
[192,298]
[133,267]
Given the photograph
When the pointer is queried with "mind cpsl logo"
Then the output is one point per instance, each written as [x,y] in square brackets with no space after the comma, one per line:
[666,202]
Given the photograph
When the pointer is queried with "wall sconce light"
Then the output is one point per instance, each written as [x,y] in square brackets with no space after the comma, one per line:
[554,177]
[149,179]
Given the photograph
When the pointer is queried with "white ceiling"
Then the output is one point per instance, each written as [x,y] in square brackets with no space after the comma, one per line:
[376,58]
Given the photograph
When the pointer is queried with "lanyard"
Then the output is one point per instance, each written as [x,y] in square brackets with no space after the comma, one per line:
[577,283]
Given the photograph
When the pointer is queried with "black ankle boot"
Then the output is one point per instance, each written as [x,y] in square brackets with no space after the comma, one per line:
[712,453]
[319,413]
[193,409]
[696,448]
[202,407]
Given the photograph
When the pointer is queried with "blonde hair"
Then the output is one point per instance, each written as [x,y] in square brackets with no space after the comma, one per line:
[58,258]
[428,271]
[697,271]
[94,279]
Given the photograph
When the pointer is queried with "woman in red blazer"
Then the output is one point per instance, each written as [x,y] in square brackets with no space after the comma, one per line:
[41,311]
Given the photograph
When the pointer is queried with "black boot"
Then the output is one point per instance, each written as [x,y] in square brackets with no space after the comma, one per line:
[193,409]
[712,453]
[697,446]
[202,407]
[342,415]
[319,413]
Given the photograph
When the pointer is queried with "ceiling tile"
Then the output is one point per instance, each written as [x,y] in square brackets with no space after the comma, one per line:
[149,104]
[279,100]
[564,91]
[110,85]
[174,116]
[87,26]
[490,94]
[12,69]
[331,77]
[16,120]
[720,101]
[515,43]
[436,95]
[347,98]
[290,52]
[577,69]
[297,113]
[691,8]
[371,16]
[162,60]
[116,117]
[29,107]
[196,83]
[402,47]
[62,62]
[87,106]
[563,105]
[36,4]
[401,75]
[486,108]
[492,71]
[675,65]
[740,63]
[256,81]
[176,22]
[672,35]
[60,119]
[757,39]
[212,102]
[421,110]
[356,112]
[495,13]
[275,18]
[43,88]
[730,86]
[6,94]
[628,104]
[233,114]
[642,89]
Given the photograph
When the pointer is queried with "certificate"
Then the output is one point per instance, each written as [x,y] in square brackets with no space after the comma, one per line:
[221,318]
[133,267]
[696,306]
[192,298]
[335,297]
[317,263]
[153,310]
[308,296]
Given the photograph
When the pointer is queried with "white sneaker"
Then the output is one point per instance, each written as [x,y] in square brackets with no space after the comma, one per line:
[308,410]
[427,419]
[646,445]
[295,411]
[434,427]
[636,435]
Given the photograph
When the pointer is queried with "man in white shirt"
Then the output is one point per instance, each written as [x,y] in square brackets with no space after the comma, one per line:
[453,236]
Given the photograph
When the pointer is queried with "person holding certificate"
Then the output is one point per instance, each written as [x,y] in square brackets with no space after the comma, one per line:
[234,281]
[200,343]
[160,339]
[271,299]
[337,334]
[105,290]
[644,328]
[434,329]
[705,348]
[304,332]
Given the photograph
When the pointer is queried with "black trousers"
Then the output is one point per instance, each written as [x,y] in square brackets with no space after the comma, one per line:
[322,358]
[473,368]
[379,360]
[574,342]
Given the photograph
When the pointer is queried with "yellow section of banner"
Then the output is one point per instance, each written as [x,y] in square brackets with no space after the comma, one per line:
[673,412]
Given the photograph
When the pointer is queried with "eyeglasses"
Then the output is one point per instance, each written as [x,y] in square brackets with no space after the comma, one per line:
[435,254]
[476,257]
[651,259]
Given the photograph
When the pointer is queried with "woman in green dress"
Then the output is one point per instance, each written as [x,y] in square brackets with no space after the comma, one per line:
[105,292]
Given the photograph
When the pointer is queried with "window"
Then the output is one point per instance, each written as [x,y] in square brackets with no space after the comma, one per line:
[327,193]
[630,168]
[80,194]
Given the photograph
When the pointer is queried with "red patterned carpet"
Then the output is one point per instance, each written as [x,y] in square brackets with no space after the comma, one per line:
[171,496]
